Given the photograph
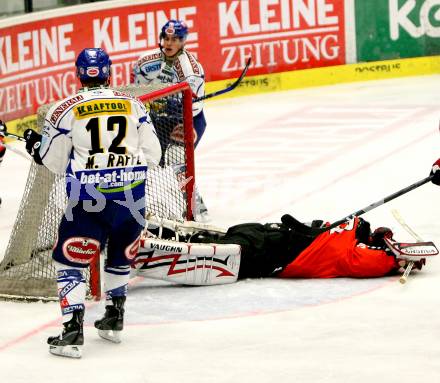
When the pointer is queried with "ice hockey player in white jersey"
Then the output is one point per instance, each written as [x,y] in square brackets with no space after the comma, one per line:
[104,141]
[172,63]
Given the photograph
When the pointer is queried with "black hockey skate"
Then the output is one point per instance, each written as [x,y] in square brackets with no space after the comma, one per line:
[111,325]
[69,342]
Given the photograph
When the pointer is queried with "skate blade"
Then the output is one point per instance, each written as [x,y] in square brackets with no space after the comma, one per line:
[112,336]
[71,351]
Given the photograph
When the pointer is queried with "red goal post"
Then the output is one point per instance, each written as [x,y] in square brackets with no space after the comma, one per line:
[187,97]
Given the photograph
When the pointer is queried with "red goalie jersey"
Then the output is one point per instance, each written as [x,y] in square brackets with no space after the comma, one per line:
[337,253]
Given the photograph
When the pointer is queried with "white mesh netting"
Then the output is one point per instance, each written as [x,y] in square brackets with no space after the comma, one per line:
[26,271]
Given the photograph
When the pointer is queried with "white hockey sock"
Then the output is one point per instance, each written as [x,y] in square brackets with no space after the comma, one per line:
[115,282]
[71,289]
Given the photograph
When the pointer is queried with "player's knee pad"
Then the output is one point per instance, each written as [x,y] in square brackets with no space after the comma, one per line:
[188,263]
[80,250]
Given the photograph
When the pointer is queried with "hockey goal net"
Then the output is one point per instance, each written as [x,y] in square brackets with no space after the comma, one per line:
[27,271]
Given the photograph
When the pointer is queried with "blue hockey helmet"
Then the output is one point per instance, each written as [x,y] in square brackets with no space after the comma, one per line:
[93,64]
[175,28]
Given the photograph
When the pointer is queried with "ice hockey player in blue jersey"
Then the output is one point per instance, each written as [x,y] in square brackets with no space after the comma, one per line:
[172,63]
[104,141]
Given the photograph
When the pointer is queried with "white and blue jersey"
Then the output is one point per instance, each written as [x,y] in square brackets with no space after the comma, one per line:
[103,140]
[153,67]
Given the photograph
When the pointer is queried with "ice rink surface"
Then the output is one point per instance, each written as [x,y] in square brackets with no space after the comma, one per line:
[315,153]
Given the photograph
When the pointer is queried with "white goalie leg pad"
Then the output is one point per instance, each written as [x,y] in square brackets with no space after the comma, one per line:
[198,264]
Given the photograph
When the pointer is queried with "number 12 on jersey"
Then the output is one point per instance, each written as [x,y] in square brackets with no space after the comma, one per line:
[113,123]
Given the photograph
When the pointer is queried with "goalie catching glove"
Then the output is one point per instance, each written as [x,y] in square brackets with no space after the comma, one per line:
[33,144]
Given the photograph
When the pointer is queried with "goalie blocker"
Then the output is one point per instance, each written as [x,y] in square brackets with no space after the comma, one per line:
[206,255]
[412,251]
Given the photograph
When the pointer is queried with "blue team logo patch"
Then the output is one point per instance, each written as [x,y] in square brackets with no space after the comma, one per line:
[151,68]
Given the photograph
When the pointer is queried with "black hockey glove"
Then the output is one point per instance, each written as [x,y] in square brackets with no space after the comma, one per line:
[363,231]
[33,143]
[3,129]
[2,136]
[436,171]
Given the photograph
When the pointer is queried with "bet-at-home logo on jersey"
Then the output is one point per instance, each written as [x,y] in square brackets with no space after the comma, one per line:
[417,17]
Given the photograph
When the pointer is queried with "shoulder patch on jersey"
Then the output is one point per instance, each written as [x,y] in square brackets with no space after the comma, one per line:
[150,57]
[179,70]
[193,63]
[62,107]
[122,94]
[108,106]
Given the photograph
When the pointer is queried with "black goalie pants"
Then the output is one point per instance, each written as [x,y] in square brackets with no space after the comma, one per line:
[265,249]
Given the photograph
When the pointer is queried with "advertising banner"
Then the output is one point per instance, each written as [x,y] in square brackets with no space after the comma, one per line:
[391,29]
[37,57]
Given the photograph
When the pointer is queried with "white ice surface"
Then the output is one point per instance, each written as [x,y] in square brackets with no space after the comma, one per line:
[315,153]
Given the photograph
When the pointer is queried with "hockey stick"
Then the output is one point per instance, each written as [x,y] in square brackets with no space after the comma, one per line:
[11,135]
[382,201]
[404,278]
[227,89]
[293,223]
[4,132]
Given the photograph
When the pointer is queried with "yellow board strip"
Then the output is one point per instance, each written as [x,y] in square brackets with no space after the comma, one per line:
[378,70]
[19,125]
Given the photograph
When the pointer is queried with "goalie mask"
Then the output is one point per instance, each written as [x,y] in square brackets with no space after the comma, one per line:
[93,65]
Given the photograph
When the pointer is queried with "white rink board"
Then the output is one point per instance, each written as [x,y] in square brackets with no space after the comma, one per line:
[315,153]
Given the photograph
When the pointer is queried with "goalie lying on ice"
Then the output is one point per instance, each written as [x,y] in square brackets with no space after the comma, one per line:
[286,250]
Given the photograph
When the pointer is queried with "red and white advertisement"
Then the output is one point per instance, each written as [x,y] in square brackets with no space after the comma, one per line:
[37,59]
